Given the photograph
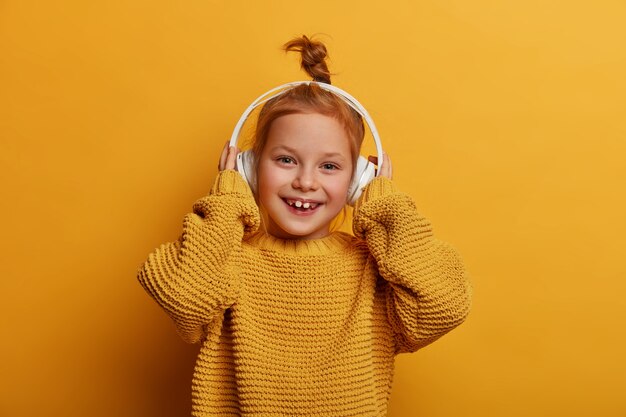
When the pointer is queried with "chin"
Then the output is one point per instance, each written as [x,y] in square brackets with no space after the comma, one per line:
[295,233]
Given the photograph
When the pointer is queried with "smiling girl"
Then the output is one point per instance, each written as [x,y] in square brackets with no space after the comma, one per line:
[294,318]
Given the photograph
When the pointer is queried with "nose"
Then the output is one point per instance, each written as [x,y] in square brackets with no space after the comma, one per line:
[305,180]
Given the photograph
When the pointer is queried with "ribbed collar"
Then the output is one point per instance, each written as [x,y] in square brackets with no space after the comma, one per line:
[334,242]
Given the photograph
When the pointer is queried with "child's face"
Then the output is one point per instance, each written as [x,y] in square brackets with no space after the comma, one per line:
[306,162]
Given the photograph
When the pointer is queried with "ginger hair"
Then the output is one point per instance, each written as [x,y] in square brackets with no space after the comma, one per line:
[310,98]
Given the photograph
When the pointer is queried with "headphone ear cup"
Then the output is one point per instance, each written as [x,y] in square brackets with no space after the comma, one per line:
[364,172]
[245,166]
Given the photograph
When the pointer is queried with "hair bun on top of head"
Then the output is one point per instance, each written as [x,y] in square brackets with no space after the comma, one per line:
[313,57]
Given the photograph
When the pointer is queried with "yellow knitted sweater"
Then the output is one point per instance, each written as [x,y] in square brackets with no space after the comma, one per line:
[304,327]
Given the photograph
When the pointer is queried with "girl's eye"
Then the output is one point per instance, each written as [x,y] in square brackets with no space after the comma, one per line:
[329,166]
[285,160]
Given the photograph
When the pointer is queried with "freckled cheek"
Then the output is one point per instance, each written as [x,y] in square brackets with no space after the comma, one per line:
[274,179]
[340,189]
[270,182]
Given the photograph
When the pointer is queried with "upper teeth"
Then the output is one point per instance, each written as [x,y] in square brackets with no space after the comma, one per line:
[299,204]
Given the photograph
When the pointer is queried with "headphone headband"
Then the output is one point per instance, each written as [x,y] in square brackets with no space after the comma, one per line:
[281,89]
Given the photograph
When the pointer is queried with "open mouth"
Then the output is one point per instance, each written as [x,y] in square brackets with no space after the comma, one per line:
[302,206]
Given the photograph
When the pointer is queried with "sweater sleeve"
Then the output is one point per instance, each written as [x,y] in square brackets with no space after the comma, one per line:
[428,290]
[195,278]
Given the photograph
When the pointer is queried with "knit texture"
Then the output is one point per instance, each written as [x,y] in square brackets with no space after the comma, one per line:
[304,327]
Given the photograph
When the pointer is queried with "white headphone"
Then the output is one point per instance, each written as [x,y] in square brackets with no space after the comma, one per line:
[364,172]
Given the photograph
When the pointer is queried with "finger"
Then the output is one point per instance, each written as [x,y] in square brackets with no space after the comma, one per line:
[232,158]
[386,170]
[223,157]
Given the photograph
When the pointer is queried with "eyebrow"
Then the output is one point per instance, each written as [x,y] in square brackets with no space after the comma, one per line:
[291,150]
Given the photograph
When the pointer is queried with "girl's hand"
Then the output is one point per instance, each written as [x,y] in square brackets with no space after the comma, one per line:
[386,171]
[228,158]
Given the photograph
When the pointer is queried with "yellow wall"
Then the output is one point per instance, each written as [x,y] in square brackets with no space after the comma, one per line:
[505,120]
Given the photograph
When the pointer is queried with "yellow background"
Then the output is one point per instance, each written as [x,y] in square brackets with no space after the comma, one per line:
[506,121]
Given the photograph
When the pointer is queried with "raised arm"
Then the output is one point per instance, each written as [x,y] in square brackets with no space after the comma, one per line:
[428,291]
[196,277]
